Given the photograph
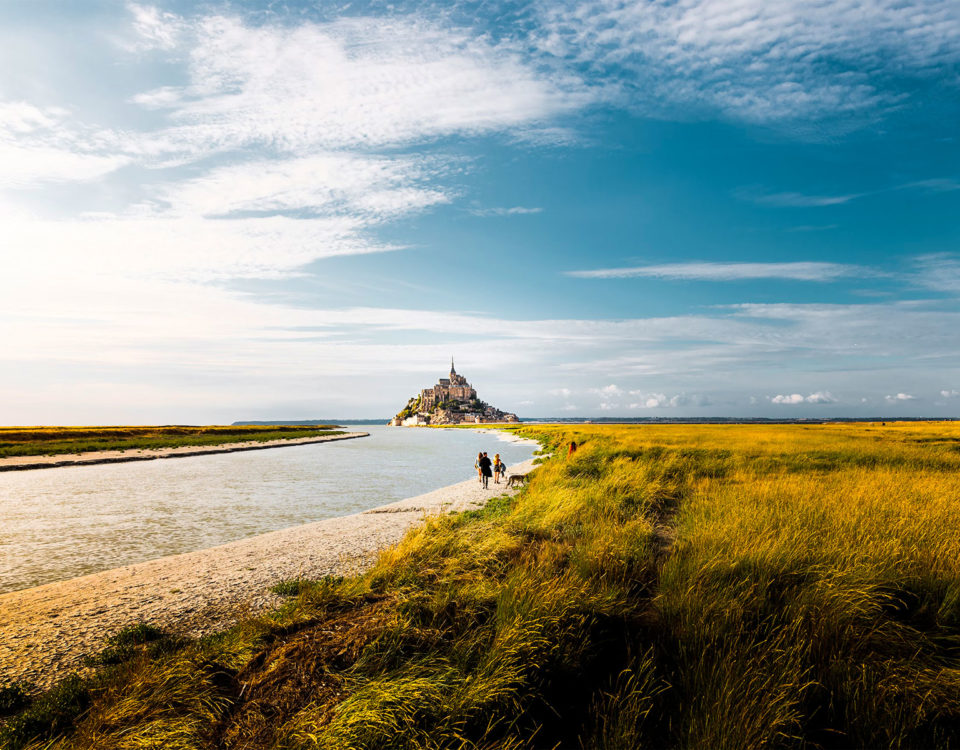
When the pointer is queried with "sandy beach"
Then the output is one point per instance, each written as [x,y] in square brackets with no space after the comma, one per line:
[22,463]
[45,631]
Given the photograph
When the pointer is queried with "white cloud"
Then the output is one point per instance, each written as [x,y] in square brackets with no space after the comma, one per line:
[353,83]
[662,401]
[21,117]
[26,166]
[793,398]
[950,393]
[706,271]
[370,187]
[155,29]
[899,398]
[820,397]
[126,249]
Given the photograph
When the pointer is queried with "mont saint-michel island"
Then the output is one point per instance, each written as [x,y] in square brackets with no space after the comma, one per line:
[451,401]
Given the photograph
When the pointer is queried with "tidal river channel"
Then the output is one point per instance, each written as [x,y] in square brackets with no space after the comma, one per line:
[66,522]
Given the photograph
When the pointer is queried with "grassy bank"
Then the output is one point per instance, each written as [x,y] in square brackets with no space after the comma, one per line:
[668,586]
[41,441]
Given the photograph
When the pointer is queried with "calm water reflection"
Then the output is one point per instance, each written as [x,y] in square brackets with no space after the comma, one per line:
[61,523]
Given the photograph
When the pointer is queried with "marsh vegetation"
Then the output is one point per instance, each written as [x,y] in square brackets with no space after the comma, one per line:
[41,441]
[667,586]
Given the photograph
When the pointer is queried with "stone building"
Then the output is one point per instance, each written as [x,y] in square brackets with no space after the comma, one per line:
[451,401]
[454,388]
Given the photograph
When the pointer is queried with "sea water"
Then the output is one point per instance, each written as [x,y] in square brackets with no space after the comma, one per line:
[70,521]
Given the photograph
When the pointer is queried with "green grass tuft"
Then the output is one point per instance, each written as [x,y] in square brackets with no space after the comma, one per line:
[50,714]
[14,697]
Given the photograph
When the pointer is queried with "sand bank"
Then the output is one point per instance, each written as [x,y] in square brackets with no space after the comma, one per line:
[45,631]
[20,463]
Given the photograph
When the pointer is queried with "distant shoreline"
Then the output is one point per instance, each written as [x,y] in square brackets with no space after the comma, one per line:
[26,463]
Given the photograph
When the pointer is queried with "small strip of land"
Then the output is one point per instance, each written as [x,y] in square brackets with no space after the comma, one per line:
[20,463]
[47,630]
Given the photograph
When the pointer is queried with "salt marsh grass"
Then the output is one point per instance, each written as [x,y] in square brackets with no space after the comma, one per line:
[667,586]
[38,441]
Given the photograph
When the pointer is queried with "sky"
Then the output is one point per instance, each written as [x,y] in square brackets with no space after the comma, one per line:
[659,208]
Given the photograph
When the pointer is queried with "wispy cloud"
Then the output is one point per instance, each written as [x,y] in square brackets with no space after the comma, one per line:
[501,211]
[41,145]
[334,183]
[934,185]
[707,271]
[794,200]
[791,199]
[939,272]
[758,60]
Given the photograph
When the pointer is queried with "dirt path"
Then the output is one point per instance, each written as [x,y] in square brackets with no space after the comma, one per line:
[21,463]
[45,631]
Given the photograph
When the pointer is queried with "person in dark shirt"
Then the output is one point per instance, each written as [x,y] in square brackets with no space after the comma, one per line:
[485,470]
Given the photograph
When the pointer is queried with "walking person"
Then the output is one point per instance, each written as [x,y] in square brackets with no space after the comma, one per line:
[476,465]
[485,471]
[499,467]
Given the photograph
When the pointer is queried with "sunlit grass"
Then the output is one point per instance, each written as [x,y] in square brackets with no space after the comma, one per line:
[668,586]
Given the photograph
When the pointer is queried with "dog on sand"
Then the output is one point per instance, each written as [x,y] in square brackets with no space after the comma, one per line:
[515,479]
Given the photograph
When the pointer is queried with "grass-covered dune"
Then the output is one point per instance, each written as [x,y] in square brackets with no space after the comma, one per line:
[667,586]
[39,441]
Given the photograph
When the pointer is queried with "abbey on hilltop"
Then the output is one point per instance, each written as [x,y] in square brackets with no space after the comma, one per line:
[451,401]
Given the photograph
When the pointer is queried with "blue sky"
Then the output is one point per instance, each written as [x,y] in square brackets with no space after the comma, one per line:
[295,210]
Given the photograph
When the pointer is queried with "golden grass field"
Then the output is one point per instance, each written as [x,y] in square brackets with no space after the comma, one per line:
[735,586]
[38,441]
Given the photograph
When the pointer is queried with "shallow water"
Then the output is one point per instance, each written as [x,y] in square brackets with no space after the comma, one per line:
[66,522]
